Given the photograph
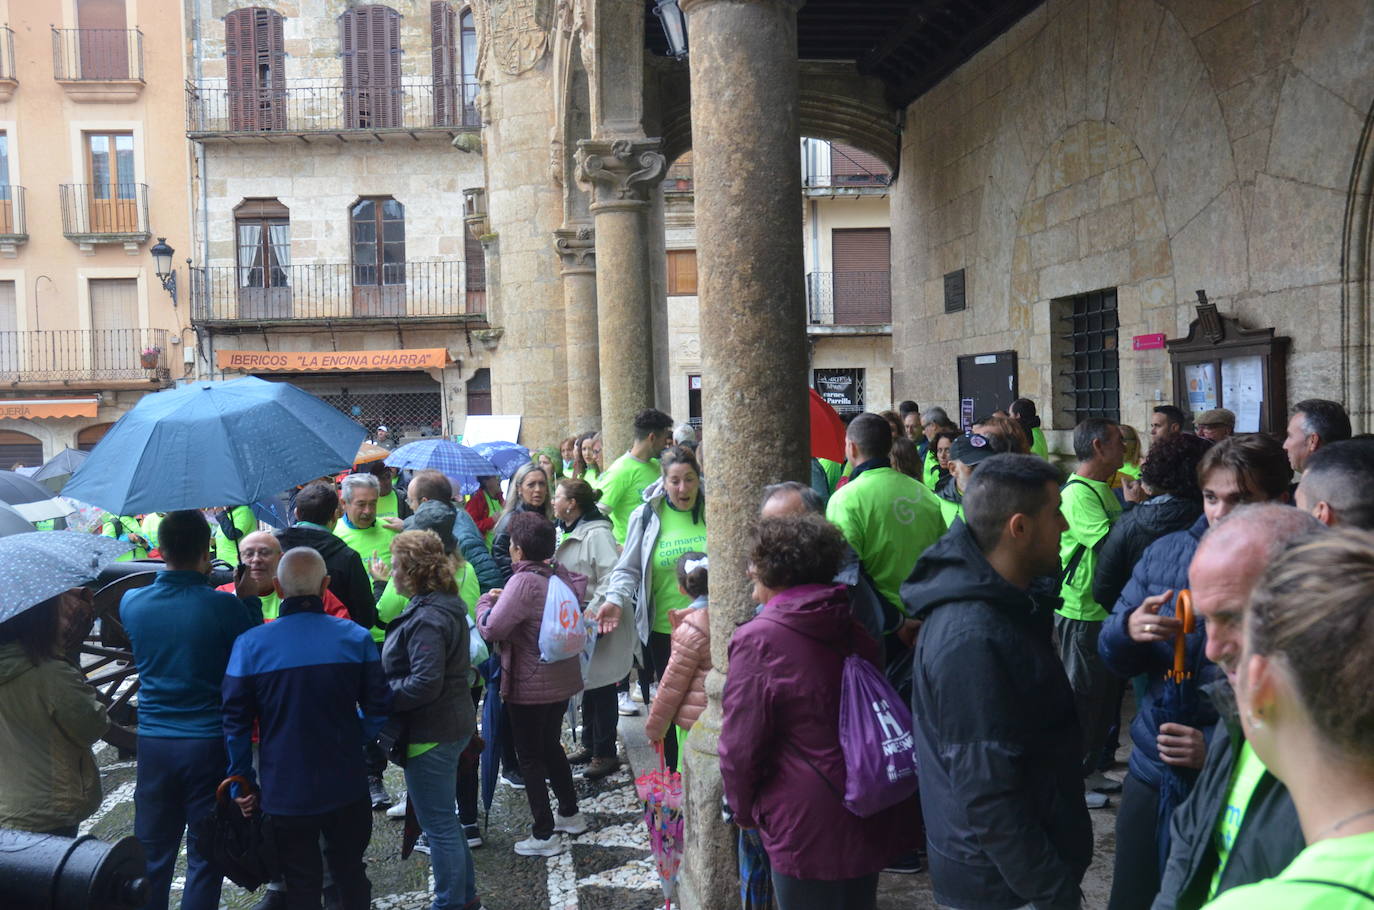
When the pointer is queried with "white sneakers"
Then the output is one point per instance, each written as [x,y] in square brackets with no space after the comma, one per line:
[574,824]
[626,705]
[398,810]
[533,846]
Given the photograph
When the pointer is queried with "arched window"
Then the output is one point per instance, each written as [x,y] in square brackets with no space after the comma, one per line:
[371,39]
[20,449]
[87,438]
[378,230]
[255,52]
[262,229]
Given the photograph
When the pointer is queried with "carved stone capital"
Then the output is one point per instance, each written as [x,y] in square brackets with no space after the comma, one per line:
[620,171]
[577,247]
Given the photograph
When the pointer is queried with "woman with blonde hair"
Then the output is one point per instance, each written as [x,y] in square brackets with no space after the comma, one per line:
[529,492]
[1302,687]
[426,660]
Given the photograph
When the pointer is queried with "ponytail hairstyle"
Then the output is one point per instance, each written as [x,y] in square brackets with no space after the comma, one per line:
[691,573]
[584,494]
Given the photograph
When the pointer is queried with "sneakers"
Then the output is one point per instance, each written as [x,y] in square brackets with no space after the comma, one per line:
[513,779]
[574,824]
[1095,800]
[422,845]
[601,767]
[626,705]
[1102,783]
[580,757]
[906,864]
[533,846]
[398,810]
[474,836]
[380,799]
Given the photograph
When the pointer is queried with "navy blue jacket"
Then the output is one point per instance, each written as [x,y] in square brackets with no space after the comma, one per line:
[474,549]
[1162,567]
[303,679]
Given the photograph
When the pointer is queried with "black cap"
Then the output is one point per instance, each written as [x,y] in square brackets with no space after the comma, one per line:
[974,448]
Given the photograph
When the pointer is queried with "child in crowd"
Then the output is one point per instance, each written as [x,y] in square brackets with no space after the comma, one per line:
[682,691]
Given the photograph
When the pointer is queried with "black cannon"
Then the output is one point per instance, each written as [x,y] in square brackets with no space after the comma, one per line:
[46,872]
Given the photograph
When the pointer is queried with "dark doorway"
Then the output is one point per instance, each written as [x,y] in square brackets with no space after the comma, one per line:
[989,381]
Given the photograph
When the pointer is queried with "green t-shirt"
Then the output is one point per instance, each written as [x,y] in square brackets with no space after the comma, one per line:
[622,490]
[889,519]
[677,534]
[366,542]
[151,522]
[227,550]
[950,510]
[389,506]
[1245,777]
[1038,444]
[1090,507]
[1337,860]
[832,472]
[930,470]
[392,603]
[120,528]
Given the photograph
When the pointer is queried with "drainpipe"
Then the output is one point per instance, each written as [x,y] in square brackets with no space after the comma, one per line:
[198,50]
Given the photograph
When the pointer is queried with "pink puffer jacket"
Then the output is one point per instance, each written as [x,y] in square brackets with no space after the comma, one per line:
[682,691]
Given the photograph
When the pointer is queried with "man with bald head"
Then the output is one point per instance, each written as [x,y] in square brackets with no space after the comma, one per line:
[1238,825]
[259,554]
[302,680]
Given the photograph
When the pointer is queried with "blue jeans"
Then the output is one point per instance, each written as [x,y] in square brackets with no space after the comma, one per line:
[174,786]
[430,787]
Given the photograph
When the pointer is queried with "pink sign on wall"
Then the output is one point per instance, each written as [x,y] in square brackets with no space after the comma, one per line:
[1147,342]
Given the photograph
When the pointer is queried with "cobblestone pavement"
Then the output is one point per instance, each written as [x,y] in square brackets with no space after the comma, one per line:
[607,868]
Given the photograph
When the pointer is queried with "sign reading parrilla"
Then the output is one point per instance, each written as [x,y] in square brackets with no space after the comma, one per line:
[324,361]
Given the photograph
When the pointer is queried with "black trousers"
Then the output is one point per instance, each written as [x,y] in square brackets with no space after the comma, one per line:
[600,715]
[660,648]
[536,731]
[346,832]
[808,894]
[469,779]
[1135,873]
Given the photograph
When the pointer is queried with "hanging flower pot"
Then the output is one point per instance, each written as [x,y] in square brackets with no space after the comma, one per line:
[148,358]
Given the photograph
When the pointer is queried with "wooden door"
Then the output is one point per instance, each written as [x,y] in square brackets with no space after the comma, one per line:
[379,257]
[115,341]
[112,193]
[7,223]
[103,39]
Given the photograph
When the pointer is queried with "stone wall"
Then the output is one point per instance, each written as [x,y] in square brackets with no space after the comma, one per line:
[1153,147]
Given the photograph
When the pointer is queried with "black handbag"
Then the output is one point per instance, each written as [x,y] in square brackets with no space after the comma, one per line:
[243,849]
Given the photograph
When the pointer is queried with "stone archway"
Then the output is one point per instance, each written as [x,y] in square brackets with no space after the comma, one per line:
[1357,294]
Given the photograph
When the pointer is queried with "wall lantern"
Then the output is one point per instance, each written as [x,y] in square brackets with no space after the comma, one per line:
[674,26]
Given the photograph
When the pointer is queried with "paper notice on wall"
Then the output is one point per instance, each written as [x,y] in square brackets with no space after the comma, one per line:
[1202,386]
[1242,390]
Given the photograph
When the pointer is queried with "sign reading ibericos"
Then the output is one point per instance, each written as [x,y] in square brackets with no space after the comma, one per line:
[325,361]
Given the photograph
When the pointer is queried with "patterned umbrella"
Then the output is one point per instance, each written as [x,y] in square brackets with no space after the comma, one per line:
[661,794]
[457,462]
[42,564]
[507,456]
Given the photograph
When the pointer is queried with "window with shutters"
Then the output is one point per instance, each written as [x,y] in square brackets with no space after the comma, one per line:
[443,38]
[114,307]
[855,167]
[862,279]
[255,54]
[371,40]
[467,31]
[9,329]
[86,439]
[19,450]
[475,272]
[479,392]
[262,229]
[682,273]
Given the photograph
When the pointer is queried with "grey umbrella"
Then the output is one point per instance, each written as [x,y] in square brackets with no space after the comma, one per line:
[42,564]
[11,522]
[56,471]
[30,498]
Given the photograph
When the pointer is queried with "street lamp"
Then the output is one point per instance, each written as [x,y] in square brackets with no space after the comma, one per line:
[674,26]
[162,267]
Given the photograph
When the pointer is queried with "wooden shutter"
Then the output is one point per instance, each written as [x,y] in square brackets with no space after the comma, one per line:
[255,50]
[851,165]
[475,266]
[443,36]
[18,448]
[682,273]
[371,37]
[861,260]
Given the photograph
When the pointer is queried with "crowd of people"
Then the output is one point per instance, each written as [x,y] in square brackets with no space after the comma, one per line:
[1009,607]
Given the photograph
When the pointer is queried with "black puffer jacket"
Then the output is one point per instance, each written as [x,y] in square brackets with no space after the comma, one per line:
[996,735]
[1268,840]
[348,577]
[1129,537]
[500,541]
[426,661]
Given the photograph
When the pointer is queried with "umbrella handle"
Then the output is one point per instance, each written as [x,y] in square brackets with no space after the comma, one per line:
[1183,609]
[222,791]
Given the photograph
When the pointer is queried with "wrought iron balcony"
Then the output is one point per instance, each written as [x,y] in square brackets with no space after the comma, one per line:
[105,213]
[334,292]
[97,54]
[73,356]
[14,227]
[7,57]
[849,298]
[330,107]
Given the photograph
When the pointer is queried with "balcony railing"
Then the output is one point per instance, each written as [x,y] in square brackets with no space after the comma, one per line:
[105,213]
[7,54]
[320,106]
[97,54]
[333,292]
[84,355]
[849,297]
[813,181]
[13,224]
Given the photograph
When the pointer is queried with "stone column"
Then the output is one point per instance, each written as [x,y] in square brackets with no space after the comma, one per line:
[576,246]
[621,172]
[753,339]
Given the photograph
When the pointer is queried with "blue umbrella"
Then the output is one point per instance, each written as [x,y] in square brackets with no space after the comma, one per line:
[493,731]
[42,564]
[212,444]
[507,456]
[460,464]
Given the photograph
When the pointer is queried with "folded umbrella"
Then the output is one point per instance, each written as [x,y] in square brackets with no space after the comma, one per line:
[507,456]
[56,471]
[461,464]
[493,732]
[213,444]
[660,793]
[242,849]
[42,564]
[30,498]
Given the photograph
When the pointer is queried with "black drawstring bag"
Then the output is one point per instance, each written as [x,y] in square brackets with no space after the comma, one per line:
[243,849]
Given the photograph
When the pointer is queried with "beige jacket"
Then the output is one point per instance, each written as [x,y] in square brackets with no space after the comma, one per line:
[589,549]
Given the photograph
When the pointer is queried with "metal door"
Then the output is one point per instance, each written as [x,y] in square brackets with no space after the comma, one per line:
[989,380]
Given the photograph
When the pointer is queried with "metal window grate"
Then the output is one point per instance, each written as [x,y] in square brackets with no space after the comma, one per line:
[1090,353]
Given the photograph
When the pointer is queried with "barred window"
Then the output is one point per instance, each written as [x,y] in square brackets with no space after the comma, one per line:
[1086,343]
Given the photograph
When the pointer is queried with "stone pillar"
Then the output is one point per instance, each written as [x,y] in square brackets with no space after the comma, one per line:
[753,339]
[577,248]
[621,172]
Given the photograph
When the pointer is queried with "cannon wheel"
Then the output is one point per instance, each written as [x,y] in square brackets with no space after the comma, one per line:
[107,660]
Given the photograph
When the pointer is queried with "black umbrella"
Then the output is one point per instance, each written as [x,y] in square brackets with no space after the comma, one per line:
[56,471]
[42,564]
[30,498]
[243,849]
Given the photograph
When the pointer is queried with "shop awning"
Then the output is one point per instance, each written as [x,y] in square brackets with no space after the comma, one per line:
[48,407]
[325,361]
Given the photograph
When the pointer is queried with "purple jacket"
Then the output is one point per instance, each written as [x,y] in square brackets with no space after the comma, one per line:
[781,734]
[514,619]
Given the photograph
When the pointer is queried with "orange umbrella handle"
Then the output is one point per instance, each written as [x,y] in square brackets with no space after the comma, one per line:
[1183,609]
